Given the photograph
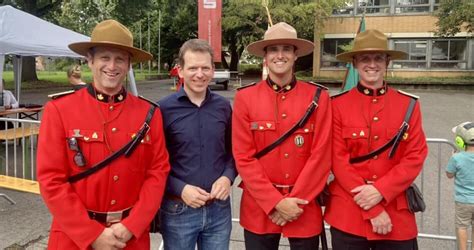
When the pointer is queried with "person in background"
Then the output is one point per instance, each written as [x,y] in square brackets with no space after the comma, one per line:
[461,168]
[174,72]
[9,102]
[111,208]
[197,124]
[367,207]
[280,187]
[74,77]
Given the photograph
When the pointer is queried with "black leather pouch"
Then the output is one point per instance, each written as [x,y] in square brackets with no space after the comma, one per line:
[415,199]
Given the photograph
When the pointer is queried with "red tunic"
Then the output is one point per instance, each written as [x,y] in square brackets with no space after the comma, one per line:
[362,123]
[137,181]
[261,115]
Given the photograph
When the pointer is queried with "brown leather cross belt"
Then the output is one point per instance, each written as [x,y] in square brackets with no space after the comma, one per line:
[109,218]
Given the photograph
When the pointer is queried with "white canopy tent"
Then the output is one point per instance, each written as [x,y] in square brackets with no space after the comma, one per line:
[22,34]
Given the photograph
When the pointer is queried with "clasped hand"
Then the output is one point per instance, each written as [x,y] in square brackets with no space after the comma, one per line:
[197,197]
[287,210]
[366,196]
[114,237]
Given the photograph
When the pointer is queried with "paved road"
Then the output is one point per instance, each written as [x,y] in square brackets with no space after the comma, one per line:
[26,224]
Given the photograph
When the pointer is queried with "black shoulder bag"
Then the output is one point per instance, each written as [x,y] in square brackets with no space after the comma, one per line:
[126,150]
[413,195]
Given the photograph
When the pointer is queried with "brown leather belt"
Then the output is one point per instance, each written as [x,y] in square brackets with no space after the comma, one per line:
[177,198]
[109,218]
[284,189]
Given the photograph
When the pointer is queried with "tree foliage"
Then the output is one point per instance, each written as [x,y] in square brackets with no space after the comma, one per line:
[455,16]
[39,8]
[243,21]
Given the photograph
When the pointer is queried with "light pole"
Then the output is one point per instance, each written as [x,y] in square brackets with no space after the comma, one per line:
[159,42]
[140,27]
[149,62]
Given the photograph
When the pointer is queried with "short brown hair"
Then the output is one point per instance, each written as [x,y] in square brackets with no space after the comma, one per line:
[194,45]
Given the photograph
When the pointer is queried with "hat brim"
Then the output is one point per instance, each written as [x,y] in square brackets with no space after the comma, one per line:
[137,55]
[348,56]
[303,47]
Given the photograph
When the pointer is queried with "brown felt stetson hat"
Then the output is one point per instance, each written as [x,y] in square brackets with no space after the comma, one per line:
[281,33]
[110,33]
[370,41]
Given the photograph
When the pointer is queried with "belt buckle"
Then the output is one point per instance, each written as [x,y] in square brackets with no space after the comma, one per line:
[284,189]
[209,202]
[113,217]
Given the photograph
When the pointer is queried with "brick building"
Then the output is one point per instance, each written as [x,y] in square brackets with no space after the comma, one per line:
[410,26]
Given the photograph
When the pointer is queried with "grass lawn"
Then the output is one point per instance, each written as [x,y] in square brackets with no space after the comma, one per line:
[47,79]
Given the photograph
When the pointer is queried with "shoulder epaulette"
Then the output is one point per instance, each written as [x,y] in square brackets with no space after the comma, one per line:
[246,86]
[408,94]
[318,84]
[60,94]
[150,101]
[339,94]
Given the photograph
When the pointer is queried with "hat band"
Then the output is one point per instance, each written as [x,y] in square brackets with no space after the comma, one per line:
[371,49]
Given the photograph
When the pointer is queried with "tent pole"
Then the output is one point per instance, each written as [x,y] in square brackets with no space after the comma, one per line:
[17,68]
[2,63]
[133,85]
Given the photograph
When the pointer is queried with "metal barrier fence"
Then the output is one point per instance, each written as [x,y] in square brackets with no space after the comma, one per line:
[18,155]
[19,145]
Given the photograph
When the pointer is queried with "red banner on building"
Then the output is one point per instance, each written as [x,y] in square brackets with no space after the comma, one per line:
[209,24]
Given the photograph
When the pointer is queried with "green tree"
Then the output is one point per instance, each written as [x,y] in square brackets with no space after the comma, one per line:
[242,23]
[82,15]
[178,24]
[39,8]
[245,21]
[455,16]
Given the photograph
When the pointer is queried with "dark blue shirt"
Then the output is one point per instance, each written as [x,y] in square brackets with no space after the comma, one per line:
[198,140]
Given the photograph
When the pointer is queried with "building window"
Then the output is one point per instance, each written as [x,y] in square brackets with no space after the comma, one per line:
[436,5]
[346,9]
[330,48]
[444,54]
[410,6]
[449,54]
[386,7]
[373,6]
[416,50]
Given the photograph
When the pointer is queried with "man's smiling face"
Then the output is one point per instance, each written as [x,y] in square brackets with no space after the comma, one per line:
[109,68]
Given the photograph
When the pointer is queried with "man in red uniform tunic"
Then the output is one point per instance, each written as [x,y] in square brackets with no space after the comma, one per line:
[279,189]
[367,208]
[113,207]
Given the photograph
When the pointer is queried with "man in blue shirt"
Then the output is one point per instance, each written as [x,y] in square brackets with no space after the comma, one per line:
[197,124]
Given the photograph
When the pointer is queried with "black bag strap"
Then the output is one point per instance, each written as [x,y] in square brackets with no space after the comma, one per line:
[312,106]
[126,150]
[394,142]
